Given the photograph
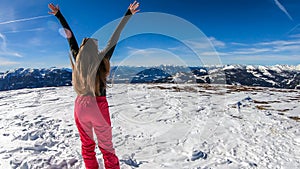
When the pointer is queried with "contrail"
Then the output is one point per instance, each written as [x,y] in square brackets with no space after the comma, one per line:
[24,19]
[25,30]
[297,27]
[281,7]
[3,45]
[3,48]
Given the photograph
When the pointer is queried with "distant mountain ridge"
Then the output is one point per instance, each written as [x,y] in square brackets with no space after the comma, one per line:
[278,76]
[34,78]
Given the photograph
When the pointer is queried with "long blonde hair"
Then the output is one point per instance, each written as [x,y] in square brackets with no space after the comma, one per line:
[90,70]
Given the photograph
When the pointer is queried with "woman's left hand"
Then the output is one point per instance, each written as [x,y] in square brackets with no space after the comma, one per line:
[54,9]
[134,7]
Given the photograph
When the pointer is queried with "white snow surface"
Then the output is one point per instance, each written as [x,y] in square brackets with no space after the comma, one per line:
[157,126]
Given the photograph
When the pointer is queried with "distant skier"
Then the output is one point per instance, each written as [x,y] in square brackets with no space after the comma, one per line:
[89,74]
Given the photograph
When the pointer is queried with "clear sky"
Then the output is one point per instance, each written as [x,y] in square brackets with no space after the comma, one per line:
[265,32]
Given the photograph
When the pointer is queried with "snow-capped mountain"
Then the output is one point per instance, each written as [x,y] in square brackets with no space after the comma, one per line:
[278,76]
[34,78]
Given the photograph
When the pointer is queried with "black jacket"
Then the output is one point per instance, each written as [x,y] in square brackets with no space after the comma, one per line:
[107,51]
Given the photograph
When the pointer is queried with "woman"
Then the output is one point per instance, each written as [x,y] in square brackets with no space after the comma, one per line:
[89,74]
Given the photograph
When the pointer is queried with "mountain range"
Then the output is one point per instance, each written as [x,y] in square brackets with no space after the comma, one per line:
[278,76]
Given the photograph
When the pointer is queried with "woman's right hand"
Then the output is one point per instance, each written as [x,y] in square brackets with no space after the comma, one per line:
[54,9]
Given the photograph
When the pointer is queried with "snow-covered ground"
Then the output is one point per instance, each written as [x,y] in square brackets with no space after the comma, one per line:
[174,126]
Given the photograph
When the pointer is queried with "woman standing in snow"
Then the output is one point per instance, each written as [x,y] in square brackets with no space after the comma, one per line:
[89,74]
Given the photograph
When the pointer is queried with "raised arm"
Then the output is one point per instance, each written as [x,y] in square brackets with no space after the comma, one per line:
[111,45]
[70,36]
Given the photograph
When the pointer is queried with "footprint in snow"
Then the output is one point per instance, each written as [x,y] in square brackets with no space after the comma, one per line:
[197,154]
[129,160]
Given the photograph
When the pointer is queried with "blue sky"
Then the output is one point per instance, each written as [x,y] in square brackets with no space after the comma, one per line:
[265,32]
